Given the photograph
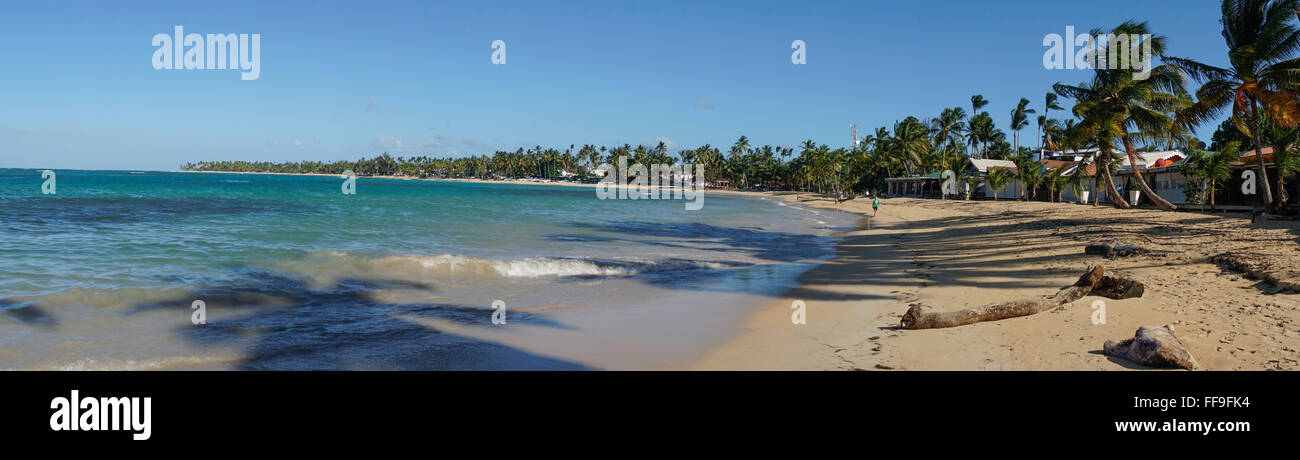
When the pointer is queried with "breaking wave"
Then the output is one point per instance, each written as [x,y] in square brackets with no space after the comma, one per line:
[539,267]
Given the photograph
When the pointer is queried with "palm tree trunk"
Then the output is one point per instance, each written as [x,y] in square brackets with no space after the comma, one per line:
[1210,190]
[1137,172]
[1256,130]
[1096,188]
[1103,168]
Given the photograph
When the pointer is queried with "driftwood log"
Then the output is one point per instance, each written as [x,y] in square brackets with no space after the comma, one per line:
[1118,287]
[1111,252]
[1152,346]
[920,317]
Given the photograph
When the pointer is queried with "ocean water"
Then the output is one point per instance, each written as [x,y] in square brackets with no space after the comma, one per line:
[293,274]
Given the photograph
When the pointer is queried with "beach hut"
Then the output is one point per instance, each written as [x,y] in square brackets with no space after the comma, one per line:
[979,167]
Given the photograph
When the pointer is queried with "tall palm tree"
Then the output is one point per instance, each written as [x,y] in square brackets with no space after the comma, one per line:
[981,132]
[1019,120]
[946,129]
[977,102]
[911,140]
[1116,105]
[1261,76]
[1050,103]
[736,155]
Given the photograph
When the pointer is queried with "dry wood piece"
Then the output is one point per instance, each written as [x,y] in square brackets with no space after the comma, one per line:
[1119,287]
[1111,252]
[920,317]
[1152,346]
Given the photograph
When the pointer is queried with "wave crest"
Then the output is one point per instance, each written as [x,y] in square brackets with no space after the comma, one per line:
[538,267]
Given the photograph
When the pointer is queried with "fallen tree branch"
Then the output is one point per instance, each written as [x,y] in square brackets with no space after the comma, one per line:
[920,317]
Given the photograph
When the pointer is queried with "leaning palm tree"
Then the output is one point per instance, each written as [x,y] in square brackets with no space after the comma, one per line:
[1262,75]
[1118,105]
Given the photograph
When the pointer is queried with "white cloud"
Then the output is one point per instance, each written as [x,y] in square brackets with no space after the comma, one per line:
[386,142]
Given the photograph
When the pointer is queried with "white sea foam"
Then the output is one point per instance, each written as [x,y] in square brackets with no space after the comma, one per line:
[538,267]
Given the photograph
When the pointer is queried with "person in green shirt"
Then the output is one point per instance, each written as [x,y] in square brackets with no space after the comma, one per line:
[875,206]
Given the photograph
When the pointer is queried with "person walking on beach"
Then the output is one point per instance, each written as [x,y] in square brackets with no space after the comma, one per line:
[875,206]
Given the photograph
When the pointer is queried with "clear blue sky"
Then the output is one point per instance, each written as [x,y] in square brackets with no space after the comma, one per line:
[350,79]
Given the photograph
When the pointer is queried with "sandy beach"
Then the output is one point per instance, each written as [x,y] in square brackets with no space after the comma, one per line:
[953,255]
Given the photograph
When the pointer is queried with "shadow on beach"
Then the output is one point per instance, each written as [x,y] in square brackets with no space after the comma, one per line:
[282,323]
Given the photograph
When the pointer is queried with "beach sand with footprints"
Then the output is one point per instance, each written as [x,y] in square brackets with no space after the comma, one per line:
[952,255]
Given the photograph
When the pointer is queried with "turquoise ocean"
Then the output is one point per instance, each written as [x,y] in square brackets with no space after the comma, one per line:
[108,272]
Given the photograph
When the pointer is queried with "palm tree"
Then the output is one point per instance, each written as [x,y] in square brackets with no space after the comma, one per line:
[911,140]
[981,132]
[1286,158]
[737,154]
[1019,120]
[1074,183]
[1212,167]
[977,102]
[1262,76]
[1056,181]
[998,178]
[1049,104]
[1117,105]
[946,129]
[1031,173]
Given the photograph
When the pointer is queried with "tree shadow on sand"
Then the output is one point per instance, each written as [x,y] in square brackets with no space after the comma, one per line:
[282,323]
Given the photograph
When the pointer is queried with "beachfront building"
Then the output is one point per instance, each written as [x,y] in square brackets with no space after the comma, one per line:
[979,167]
[1162,171]
[1229,194]
[929,185]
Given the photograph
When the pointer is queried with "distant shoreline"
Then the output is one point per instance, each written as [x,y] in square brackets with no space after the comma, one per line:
[480,181]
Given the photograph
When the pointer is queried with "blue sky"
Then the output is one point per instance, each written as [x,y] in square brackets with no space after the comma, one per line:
[341,80]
